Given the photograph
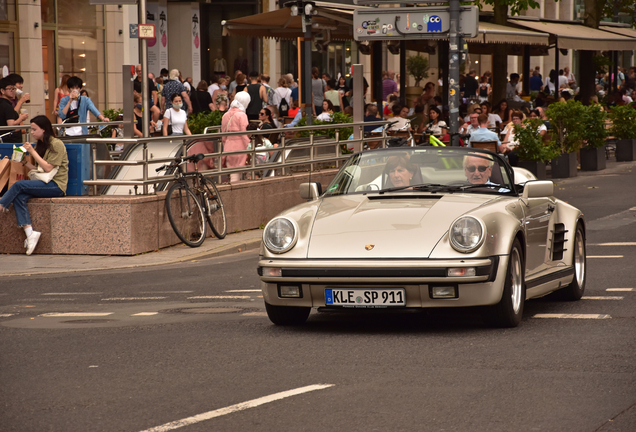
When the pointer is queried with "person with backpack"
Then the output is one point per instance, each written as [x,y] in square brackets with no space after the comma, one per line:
[282,97]
[75,108]
[269,91]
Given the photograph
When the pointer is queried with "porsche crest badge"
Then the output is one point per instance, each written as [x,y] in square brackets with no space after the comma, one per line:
[369,247]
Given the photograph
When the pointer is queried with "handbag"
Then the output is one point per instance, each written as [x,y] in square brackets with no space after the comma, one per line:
[40,174]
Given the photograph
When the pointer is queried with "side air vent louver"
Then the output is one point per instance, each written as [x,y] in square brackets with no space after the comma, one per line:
[558,241]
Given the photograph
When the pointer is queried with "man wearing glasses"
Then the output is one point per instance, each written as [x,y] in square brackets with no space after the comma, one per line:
[8,115]
[477,169]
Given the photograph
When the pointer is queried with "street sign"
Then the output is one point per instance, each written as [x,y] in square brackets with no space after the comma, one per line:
[146,31]
[412,23]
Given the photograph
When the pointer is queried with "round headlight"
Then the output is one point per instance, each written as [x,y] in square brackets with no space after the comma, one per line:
[466,234]
[280,235]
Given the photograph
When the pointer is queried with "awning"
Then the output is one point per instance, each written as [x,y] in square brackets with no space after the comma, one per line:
[497,33]
[625,31]
[580,37]
[335,17]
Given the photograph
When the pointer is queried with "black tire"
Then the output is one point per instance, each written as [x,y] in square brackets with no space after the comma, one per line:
[185,215]
[575,290]
[213,208]
[509,311]
[287,315]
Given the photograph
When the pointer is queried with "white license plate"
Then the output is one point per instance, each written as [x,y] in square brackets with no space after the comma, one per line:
[365,298]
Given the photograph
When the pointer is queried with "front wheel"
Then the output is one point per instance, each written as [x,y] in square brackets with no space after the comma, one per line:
[185,215]
[575,290]
[287,315]
[214,209]
[509,311]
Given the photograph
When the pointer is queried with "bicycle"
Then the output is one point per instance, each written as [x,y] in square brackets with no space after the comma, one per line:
[189,206]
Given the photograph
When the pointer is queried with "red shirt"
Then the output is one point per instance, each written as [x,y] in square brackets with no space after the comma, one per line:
[292,112]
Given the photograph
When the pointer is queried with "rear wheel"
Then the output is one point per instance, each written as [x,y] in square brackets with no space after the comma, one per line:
[509,311]
[287,315]
[185,215]
[214,209]
[575,290]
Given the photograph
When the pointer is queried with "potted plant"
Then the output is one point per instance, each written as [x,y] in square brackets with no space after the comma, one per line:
[595,135]
[532,152]
[566,119]
[624,130]
[417,67]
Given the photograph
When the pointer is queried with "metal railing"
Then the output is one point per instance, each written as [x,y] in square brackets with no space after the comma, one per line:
[187,140]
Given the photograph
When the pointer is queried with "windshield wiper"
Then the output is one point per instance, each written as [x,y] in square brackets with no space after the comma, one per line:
[420,187]
[475,186]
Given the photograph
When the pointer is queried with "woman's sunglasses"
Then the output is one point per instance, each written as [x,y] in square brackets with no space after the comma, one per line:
[481,168]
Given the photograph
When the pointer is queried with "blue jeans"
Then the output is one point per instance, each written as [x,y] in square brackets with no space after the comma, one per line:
[24,190]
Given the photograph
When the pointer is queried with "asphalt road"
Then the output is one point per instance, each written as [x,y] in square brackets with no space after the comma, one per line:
[192,339]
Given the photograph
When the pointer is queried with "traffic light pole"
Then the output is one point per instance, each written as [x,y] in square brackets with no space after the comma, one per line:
[454,60]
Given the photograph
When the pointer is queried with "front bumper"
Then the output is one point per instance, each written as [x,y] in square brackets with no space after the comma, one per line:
[415,276]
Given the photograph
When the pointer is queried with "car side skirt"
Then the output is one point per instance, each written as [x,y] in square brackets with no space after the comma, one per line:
[545,284]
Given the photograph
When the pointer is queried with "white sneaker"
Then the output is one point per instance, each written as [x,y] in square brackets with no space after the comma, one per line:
[32,241]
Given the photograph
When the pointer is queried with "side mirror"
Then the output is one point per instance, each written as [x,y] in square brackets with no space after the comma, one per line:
[310,191]
[538,189]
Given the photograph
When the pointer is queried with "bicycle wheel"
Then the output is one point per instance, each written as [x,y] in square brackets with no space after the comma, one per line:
[185,214]
[213,207]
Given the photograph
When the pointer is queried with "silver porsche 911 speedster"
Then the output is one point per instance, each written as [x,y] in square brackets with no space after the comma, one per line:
[423,227]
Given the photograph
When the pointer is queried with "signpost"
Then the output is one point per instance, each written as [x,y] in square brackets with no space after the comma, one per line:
[420,23]
[412,23]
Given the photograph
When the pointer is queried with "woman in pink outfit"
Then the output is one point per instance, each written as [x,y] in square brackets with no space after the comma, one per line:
[235,120]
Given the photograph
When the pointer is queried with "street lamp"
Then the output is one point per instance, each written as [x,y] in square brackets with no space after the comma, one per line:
[305,9]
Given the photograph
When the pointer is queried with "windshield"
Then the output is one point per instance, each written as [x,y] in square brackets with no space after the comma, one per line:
[422,169]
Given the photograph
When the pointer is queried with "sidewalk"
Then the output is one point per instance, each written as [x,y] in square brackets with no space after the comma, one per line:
[20,264]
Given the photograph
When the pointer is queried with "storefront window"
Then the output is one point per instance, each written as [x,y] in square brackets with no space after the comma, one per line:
[6,51]
[232,53]
[48,11]
[7,10]
[73,44]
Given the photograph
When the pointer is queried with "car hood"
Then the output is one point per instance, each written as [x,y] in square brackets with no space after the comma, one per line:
[386,226]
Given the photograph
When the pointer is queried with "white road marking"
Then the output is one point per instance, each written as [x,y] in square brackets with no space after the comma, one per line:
[218,297]
[235,408]
[573,316]
[605,256]
[6,315]
[79,293]
[165,292]
[602,298]
[76,314]
[133,298]
[620,289]
[145,314]
[614,244]
[249,290]
[255,314]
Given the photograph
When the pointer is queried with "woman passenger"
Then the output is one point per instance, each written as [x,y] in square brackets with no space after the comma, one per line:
[401,172]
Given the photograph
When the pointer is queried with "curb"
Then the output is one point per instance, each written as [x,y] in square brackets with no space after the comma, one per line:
[230,249]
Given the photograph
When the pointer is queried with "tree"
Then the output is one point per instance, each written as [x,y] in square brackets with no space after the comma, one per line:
[500,54]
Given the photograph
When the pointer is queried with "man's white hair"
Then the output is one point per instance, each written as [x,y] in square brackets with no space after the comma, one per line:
[480,156]
[174,74]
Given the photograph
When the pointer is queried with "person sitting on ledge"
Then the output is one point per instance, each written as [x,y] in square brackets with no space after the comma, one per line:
[49,154]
